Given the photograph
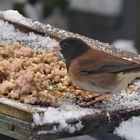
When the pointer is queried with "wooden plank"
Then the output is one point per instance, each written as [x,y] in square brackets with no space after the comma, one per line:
[27,25]
[5,125]
[27,29]
[19,129]
[13,135]
[15,112]
[92,124]
[14,128]
[14,121]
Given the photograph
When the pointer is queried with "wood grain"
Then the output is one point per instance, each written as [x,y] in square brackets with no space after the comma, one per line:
[15,112]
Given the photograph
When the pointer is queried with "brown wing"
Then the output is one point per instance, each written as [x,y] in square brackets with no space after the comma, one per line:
[97,62]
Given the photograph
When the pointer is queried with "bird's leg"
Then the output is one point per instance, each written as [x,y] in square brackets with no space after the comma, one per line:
[93,100]
[103,97]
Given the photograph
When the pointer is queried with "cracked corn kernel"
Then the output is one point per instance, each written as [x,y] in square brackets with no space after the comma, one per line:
[34,77]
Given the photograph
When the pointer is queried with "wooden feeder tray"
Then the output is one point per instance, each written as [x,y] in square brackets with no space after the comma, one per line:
[16,118]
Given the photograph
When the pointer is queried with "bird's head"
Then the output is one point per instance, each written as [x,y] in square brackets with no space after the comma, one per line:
[72,48]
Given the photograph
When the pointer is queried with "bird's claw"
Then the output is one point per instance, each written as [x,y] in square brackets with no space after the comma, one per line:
[93,101]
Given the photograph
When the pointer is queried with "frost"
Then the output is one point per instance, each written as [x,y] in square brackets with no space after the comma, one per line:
[129,129]
[9,34]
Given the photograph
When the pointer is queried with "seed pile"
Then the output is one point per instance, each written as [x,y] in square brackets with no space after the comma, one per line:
[35,77]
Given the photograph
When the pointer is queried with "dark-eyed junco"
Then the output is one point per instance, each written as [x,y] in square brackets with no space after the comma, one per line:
[95,70]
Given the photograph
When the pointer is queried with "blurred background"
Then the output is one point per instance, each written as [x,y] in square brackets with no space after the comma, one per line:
[113,21]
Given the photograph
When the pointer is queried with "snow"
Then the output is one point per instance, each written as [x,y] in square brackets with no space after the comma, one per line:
[66,111]
[9,34]
[70,128]
[129,129]
[125,99]
[128,45]
[13,15]
[49,115]
[61,115]
[43,115]
[21,106]
[108,115]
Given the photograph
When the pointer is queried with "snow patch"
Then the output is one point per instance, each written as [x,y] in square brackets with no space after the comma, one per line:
[8,34]
[66,111]
[129,129]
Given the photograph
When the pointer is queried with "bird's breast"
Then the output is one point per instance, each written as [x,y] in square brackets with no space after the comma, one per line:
[90,87]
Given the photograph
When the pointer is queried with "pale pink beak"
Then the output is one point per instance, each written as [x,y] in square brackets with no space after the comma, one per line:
[56,48]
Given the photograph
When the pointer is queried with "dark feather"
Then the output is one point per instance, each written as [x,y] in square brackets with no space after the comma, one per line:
[111,69]
[105,64]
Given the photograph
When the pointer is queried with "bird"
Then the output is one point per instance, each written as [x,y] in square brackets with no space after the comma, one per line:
[95,70]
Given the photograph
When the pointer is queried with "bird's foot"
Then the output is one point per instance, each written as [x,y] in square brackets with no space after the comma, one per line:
[93,101]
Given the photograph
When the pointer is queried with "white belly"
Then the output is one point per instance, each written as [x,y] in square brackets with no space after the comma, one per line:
[91,88]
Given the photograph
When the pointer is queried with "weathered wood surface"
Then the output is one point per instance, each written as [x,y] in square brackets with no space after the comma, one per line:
[16,112]
[19,125]
[27,25]
[14,128]
[92,124]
